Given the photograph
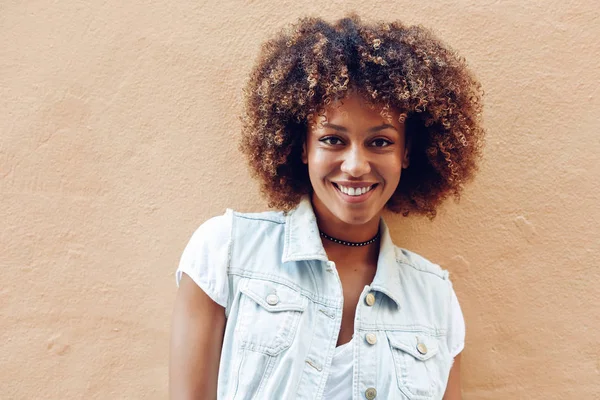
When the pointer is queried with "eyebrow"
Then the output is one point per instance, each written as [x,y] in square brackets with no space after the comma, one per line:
[343,129]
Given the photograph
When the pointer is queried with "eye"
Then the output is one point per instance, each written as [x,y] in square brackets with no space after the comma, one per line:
[380,142]
[331,140]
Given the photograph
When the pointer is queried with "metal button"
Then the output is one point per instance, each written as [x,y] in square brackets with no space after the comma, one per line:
[371,338]
[370,299]
[371,393]
[330,266]
[272,299]
[421,348]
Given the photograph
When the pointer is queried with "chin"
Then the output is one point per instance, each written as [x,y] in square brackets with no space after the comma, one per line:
[354,217]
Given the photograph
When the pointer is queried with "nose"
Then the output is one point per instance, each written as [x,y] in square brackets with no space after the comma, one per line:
[356,162]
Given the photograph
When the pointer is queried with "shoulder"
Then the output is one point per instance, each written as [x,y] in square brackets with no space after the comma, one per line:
[239,232]
[428,282]
[273,217]
[215,229]
[246,225]
[219,228]
[420,264]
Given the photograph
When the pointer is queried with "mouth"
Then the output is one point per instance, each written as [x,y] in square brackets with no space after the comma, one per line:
[355,194]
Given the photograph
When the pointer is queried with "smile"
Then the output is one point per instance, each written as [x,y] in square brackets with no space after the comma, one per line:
[354,191]
[355,194]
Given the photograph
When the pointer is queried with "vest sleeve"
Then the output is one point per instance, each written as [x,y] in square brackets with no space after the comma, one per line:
[206,258]
[456,328]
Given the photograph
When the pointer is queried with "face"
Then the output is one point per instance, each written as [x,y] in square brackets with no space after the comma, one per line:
[355,157]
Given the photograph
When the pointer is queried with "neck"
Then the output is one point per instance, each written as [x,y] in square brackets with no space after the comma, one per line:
[334,227]
[346,256]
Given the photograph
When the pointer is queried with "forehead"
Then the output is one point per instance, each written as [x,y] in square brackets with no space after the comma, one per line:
[355,109]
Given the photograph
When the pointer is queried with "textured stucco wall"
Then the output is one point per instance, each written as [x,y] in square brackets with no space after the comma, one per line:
[118,127]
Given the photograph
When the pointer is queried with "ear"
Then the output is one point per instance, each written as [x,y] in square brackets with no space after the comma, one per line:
[405,159]
[406,155]
[304,153]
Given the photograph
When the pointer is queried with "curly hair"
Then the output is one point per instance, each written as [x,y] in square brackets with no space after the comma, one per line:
[312,63]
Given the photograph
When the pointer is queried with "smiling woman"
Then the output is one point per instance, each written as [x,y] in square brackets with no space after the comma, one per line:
[354,148]
[314,301]
[404,73]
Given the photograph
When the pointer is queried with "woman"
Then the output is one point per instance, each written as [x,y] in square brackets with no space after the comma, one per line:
[314,301]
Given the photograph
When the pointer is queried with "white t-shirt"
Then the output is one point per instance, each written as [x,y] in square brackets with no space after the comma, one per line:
[339,383]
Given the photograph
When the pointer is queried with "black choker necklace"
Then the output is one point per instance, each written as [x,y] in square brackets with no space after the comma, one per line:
[343,242]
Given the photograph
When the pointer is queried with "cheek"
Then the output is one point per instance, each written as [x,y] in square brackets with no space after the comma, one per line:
[319,163]
[392,170]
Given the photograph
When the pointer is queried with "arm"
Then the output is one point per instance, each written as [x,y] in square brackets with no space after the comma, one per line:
[196,339]
[453,391]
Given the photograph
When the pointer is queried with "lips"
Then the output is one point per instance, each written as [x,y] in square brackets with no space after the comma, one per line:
[355,192]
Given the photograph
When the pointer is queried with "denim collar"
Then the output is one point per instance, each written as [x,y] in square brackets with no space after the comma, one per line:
[303,242]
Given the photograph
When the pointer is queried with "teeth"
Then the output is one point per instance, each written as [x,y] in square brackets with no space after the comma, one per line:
[354,191]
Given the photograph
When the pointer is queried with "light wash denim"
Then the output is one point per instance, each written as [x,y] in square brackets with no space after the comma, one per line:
[284,310]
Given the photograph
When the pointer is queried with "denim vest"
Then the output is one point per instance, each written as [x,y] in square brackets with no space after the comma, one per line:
[284,312]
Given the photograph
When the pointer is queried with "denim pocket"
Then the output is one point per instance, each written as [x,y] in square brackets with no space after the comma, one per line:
[270,313]
[418,364]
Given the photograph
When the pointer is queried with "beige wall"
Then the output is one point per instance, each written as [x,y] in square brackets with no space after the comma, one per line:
[118,127]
